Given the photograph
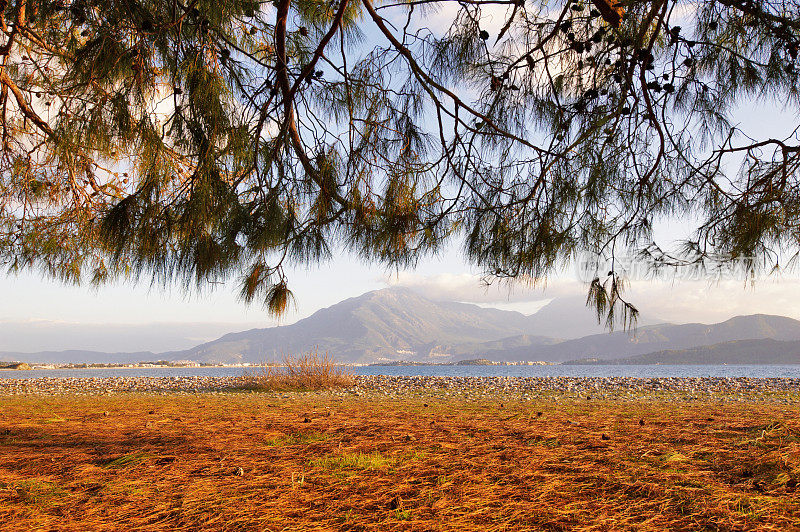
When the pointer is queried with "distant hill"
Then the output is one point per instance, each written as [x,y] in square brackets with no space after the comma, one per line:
[400,324]
[758,351]
[397,324]
[383,325]
[621,344]
[569,318]
[497,348]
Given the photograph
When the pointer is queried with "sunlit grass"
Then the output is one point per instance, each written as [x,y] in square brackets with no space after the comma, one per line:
[325,462]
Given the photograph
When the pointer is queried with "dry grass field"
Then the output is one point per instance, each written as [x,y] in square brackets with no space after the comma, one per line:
[252,461]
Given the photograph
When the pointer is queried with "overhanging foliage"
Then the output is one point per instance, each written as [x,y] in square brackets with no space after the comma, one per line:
[206,139]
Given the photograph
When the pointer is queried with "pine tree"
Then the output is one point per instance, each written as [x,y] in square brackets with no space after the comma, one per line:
[202,140]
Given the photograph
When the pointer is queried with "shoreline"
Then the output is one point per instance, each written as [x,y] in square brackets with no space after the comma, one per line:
[48,367]
[786,390]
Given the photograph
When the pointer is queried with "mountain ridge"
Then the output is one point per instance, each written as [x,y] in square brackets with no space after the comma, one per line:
[380,325]
[647,339]
[396,324]
[765,350]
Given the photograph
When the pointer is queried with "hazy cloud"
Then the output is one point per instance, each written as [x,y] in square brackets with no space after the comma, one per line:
[701,301]
[439,18]
[42,335]
[475,289]
[678,302]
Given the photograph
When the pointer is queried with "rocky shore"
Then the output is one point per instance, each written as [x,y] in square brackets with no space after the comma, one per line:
[784,390]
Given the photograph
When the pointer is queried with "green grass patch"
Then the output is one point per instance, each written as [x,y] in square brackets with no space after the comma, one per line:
[40,493]
[296,438]
[373,460]
[128,488]
[127,460]
[675,456]
[749,507]
[550,443]
[414,456]
[348,516]
[443,480]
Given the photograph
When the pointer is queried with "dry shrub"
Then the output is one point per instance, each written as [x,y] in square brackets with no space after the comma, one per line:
[307,372]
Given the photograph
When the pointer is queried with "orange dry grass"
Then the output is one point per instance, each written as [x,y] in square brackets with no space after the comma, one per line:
[311,371]
[327,463]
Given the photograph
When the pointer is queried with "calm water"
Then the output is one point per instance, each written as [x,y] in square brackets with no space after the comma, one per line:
[446,371]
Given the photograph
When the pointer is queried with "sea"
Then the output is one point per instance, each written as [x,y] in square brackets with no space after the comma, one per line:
[638,371]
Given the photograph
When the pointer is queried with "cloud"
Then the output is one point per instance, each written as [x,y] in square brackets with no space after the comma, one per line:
[473,288]
[701,301]
[678,301]
[684,12]
[438,18]
[45,335]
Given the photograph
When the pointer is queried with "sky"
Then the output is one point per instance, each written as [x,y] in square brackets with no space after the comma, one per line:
[39,314]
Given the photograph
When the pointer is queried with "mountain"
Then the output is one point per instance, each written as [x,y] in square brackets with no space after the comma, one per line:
[621,344]
[496,348]
[569,318]
[398,324]
[383,325]
[760,351]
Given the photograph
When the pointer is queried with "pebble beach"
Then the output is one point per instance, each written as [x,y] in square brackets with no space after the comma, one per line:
[784,390]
